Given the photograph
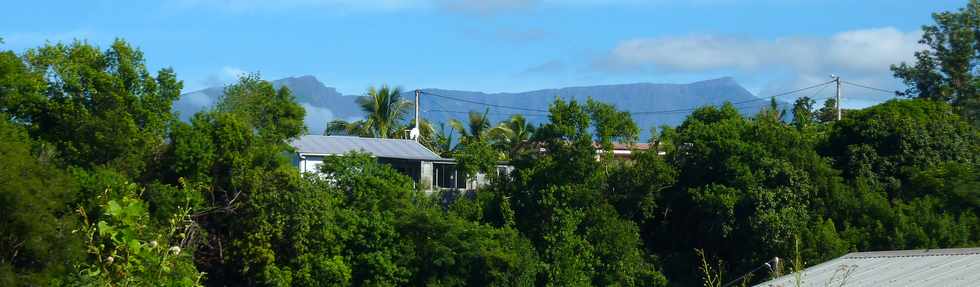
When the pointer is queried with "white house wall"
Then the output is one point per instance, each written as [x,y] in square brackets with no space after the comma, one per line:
[426,178]
[310,164]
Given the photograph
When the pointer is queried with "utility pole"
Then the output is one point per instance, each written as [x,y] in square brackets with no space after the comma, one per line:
[416,131]
[837,80]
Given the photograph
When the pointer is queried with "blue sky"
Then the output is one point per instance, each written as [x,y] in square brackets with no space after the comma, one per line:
[498,45]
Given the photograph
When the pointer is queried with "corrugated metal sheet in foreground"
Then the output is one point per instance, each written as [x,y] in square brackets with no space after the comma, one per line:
[921,268]
[388,148]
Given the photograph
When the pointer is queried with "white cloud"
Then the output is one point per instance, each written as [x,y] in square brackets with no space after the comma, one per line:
[872,48]
[855,51]
[691,53]
[317,118]
[232,73]
[223,77]
[198,100]
[861,56]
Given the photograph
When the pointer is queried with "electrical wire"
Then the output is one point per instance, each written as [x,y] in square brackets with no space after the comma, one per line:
[746,274]
[896,93]
[819,91]
[489,113]
[824,84]
[671,111]
[482,103]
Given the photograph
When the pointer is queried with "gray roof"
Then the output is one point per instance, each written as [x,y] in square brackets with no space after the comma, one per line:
[387,148]
[935,267]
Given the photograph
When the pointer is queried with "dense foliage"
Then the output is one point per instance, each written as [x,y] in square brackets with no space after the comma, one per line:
[101,185]
[947,69]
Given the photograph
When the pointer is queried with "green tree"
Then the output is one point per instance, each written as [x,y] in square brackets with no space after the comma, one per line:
[559,202]
[477,128]
[611,125]
[441,141]
[100,107]
[513,136]
[946,70]
[743,190]
[97,119]
[236,153]
[803,114]
[21,91]
[899,157]
[474,157]
[637,189]
[450,251]
[274,113]
[828,113]
[772,112]
[475,152]
[36,243]
[881,143]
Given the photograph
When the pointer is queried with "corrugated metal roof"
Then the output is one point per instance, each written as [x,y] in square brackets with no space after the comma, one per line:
[936,267]
[388,148]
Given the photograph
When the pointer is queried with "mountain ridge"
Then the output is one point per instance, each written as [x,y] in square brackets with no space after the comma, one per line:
[657,100]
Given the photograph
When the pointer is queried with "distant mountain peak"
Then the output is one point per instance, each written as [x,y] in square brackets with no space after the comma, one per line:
[717,81]
[305,80]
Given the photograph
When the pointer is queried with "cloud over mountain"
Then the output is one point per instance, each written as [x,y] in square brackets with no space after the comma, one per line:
[863,56]
[866,50]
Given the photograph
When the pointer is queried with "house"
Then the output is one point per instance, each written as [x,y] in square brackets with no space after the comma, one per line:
[619,151]
[622,150]
[930,267]
[428,170]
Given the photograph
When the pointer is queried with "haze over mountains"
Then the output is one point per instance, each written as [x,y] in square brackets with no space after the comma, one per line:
[652,104]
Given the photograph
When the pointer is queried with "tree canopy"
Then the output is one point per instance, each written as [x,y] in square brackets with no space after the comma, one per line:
[101,185]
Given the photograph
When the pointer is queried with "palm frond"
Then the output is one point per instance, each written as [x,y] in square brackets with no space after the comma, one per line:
[345,128]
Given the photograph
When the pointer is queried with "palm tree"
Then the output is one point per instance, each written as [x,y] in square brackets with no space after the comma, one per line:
[345,128]
[440,141]
[513,135]
[772,112]
[385,110]
[476,129]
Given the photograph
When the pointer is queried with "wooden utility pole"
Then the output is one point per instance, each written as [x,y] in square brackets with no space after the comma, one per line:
[416,132]
[837,81]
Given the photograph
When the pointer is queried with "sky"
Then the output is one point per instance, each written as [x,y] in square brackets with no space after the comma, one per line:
[500,45]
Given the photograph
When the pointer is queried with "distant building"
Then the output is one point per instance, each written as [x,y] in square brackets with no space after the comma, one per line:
[930,267]
[427,169]
[623,150]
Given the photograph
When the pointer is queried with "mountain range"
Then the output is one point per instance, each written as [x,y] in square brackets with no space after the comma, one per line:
[652,104]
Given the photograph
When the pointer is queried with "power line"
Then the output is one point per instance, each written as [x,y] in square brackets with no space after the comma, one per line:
[681,110]
[824,84]
[896,93]
[489,113]
[439,106]
[820,90]
[801,89]
[485,104]
[769,264]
